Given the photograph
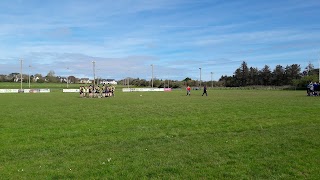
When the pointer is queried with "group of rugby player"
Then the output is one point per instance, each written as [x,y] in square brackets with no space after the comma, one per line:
[97,91]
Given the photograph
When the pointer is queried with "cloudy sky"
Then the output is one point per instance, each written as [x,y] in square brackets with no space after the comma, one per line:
[178,37]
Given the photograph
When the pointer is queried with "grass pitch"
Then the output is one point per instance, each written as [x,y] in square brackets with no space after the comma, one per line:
[230,134]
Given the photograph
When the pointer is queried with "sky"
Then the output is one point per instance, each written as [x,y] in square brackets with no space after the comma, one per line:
[178,37]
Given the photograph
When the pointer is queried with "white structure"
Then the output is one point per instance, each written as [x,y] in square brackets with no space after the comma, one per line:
[85,81]
[35,79]
[108,81]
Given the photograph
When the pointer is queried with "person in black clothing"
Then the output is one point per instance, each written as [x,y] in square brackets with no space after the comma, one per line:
[315,89]
[205,90]
[310,89]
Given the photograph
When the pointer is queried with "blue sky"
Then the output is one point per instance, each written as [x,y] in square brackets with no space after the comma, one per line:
[178,37]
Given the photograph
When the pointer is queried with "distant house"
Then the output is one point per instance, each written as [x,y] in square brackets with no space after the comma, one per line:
[35,79]
[85,81]
[62,79]
[17,78]
[108,81]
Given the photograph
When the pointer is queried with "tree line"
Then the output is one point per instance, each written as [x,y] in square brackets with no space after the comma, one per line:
[291,75]
[243,76]
[37,78]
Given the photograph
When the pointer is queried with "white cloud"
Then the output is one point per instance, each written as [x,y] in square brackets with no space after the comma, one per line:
[178,37]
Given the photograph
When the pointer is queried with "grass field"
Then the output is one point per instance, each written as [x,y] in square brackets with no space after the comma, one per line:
[231,134]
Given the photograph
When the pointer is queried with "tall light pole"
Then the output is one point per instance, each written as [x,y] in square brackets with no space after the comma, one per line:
[152,76]
[94,73]
[128,82]
[211,80]
[200,77]
[21,74]
[29,75]
[67,78]
[128,79]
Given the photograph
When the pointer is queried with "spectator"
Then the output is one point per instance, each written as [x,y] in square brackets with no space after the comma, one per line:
[205,90]
[188,91]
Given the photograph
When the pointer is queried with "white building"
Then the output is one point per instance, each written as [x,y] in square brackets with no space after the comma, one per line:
[108,81]
[85,81]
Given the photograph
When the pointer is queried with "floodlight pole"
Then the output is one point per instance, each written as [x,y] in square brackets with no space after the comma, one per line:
[68,79]
[128,79]
[94,74]
[152,76]
[200,77]
[21,74]
[29,75]
[128,83]
[98,77]
[319,70]
[211,80]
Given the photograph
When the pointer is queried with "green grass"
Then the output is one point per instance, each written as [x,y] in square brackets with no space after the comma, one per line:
[230,134]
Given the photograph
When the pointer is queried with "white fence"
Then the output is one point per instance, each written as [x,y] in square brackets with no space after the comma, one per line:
[71,90]
[24,90]
[145,89]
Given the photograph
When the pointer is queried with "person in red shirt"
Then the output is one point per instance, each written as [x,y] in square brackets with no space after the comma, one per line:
[188,90]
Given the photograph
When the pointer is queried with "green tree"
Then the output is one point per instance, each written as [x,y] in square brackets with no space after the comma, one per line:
[2,78]
[228,81]
[292,72]
[241,75]
[265,75]
[244,73]
[237,78]
[278,76]
[253,78]
[310,69]
[156,82]
[51,77]
[187,81]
